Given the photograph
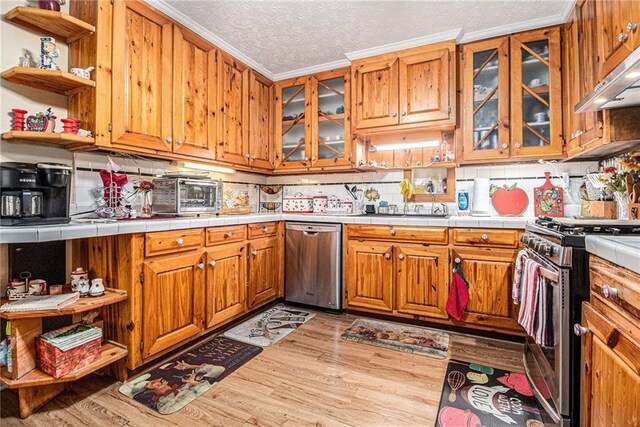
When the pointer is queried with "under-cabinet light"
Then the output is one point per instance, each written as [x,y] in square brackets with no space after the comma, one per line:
[209,168]
[633,75]
[406,145]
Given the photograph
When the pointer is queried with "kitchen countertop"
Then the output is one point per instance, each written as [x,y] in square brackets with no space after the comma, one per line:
[620,250]
[78,230]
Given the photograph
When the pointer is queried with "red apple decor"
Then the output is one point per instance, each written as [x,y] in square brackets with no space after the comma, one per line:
[508,200]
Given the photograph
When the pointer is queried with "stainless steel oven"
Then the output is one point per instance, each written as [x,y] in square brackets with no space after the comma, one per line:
[184,196]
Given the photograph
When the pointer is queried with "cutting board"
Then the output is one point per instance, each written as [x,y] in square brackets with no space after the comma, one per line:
[548,199]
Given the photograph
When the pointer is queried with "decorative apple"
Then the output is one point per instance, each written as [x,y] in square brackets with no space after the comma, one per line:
[508,200]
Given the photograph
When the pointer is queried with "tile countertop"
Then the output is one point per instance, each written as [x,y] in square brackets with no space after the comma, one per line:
[620,250]
[77,230]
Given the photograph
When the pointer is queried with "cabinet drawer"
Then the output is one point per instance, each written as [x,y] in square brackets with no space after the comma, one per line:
[221,235]
[486,237]
[400,233]
[262,229]
[617,285]
[173,241]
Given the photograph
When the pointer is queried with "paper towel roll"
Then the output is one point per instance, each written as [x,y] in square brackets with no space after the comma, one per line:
[481,205]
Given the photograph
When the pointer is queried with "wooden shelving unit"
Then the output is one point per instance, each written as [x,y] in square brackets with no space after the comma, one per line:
[67,140]
[48,80]
[55,24]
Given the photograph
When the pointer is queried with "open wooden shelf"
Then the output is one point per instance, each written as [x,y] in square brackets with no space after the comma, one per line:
[49,80]
[67,140]
[111,352]
[60,25]
[111,296]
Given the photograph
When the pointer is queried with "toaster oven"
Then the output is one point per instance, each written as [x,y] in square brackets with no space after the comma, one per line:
[184,196]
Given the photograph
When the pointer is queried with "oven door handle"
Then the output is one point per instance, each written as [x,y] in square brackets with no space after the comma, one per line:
[202,184]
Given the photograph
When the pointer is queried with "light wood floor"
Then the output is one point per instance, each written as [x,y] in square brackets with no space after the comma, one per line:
[311,377]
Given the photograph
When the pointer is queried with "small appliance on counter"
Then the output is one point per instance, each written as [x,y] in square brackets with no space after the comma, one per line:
[34,194]
[183,195]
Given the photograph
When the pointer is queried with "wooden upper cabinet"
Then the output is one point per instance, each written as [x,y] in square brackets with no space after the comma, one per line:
[536,90]
[485,98]
[260,146]
[142,77]
[172,301]
[425,80]
[369,276]
[571,84]
[422,280]
[264,266]
[293,123]
[233,111]
[376,93]
[618,23]
[226,283]
[194,75]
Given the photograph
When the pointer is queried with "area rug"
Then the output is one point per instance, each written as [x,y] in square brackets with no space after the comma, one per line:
[173,385]
[476,395]
[269,327]
[395,336]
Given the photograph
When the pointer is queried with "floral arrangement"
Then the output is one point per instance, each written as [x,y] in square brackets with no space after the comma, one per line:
[618,179]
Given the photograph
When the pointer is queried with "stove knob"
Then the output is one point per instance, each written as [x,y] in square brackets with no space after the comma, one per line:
[579,330]
[545,249]
[609,292]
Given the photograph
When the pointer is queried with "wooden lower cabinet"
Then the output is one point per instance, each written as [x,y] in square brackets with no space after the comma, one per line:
[421,279]
[172,296]
[226,283]
[369,275]
[264,270]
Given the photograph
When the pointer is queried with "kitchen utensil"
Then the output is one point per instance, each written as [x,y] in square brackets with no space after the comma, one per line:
[351,191]
[37,287]
[270,189]
[548,199]
[270,206]
[97,287]
[509,200]
[83,287]
[76,275]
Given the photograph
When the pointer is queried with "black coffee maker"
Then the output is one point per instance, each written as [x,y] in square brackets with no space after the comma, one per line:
[34,194]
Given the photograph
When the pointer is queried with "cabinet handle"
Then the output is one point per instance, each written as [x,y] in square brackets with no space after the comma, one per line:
[622,37]
[253,157]
[265,229]
[517,145]
[228,234]
[201,265]
[313,158]
[306,159]
[212,263]
[632,26]
[394,114]
[387,256]
[579,330]
[247,155]
[401,256]
[179,241]
[484,237]
[392,231]
[169,139]
[609,292]
[404,113]
[254,253]
[179,142]
[505,146]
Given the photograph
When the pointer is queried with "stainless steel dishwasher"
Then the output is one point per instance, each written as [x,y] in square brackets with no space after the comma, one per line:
[312,264]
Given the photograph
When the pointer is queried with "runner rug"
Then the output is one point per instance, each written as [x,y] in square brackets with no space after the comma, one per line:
[173,385]
[269,327]
[399,337]
[476,395]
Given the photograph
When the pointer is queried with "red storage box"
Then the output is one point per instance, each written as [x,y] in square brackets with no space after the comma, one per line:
[59,363]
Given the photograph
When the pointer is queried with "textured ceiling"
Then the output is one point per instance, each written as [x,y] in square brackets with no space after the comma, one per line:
[288,35]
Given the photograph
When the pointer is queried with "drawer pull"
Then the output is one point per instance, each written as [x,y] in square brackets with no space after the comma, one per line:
[392,231]
[622,37]
[387,256]
[401,256]
[180,241]
[484,237]
[179,142]
[265,229]
[254,252]
[228,234]
[609,292]
[579,330]
[631,26]
[212,263]
[201,265]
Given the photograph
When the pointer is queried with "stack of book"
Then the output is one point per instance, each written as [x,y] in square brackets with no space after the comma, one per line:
[66,349]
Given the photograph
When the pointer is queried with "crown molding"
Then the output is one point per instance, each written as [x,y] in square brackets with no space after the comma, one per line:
[180,17]
[568,7]
[312,70]
[405,44]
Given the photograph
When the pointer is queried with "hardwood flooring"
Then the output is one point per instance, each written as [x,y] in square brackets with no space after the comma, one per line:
[311,377]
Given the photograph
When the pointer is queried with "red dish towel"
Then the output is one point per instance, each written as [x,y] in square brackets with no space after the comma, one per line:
[458,296]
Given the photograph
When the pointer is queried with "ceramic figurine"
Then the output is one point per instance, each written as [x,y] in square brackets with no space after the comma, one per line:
[49,53]
[340,109]
[450,156]
[362,163]
[50,4]
[84,132]
[383,164]
[373,163]
[396,165]
[25,60]
[18,119]
[83,73]
[436,156]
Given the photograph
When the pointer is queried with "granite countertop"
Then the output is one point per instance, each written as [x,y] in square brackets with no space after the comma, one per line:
[620,250]
[77,230]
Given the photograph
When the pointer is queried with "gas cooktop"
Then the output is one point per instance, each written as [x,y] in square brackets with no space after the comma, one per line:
[583,226]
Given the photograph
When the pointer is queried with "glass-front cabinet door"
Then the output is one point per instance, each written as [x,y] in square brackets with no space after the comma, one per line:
[293,123]
[536,115]
[485,68]
[331,136]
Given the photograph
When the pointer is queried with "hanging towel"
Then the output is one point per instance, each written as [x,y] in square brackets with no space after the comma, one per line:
[517,276]
[529,292]
[458,294]
[540,318]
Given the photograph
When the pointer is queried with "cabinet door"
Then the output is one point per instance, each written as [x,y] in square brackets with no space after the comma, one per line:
[376,93]
[232,110]
[293,123]
[616,21]
[425,81]
[536,94]
[610,380]
[194,77]
[141,78]
[422,280]
[369,275]
[226,283]
[260,121]
[172,301]
[490,275]
[264,256]
[485,69]
[331,133]
[570,81]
